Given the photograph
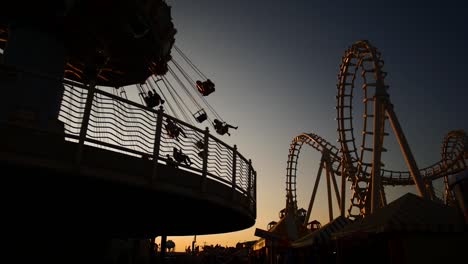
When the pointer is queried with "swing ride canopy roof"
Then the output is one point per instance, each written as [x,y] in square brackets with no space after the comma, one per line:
[127,40]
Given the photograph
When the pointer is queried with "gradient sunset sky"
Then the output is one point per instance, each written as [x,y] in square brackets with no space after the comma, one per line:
[275,66]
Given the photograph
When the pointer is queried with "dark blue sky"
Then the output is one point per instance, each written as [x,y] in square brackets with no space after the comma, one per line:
[275,65]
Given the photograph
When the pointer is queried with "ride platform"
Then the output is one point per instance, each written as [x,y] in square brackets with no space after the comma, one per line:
[108,194]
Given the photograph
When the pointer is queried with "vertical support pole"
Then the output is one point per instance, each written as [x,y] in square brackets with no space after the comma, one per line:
[330,206]
[448,196]
[234,170]
[205,159]
[429,189]
[405,149]
[152,249]
[314,192]
[193,245]
[163,248]
[85,122]
[343,186]
[157,143]
[378,126]
[273,251]
[383,199]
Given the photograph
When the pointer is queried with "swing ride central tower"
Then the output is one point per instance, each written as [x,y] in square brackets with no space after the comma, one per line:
[76,153]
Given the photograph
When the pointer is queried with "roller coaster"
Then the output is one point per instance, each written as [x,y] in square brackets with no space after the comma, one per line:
[361,164]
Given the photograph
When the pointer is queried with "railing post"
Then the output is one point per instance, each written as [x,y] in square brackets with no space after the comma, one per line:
[234,169]
[255,192]
[85,122]
[205,159]
[157,142]
[249,183]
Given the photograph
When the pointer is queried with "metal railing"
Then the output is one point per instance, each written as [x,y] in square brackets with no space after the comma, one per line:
[118,124]
[97,118]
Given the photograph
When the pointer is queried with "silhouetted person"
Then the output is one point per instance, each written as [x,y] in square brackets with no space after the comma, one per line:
[173,130]
[181,157]
[171,162]
[201,154]
[222,127]
[199,144]
[153,99]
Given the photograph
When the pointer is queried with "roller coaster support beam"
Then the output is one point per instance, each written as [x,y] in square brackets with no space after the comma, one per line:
[405,149]
[329,175]
[383,198]
[314,192]
[343,188]
[379,124]
[335,185]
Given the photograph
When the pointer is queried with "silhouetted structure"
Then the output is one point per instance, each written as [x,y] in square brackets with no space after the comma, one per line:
[77,154]
[408,230]
[318,247]
[362,168]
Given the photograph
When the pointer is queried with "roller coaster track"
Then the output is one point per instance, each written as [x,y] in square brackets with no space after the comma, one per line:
[362,165]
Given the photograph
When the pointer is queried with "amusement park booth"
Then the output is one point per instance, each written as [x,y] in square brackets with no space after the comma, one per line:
[275,243]
[410,229]
[317,247]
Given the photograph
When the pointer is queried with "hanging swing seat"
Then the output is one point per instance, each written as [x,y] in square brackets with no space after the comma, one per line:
[206,87]
[200,115]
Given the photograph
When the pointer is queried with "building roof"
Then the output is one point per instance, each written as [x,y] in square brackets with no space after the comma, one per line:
[290,228]
[284,232]
[409,213]
[323,235]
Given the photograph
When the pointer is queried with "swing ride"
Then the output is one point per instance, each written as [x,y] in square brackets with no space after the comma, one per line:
[127,107]
[128,42]
[182,73]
